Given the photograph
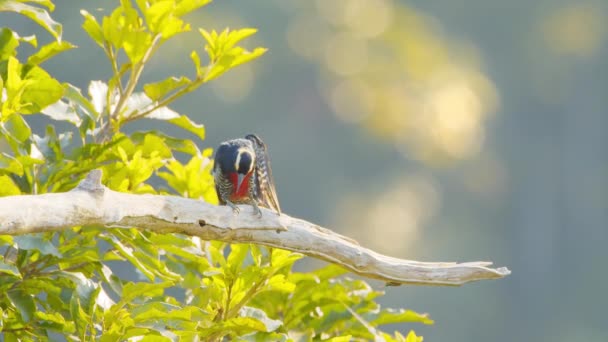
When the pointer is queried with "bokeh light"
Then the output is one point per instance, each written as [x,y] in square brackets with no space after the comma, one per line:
[390,70]
[577,29]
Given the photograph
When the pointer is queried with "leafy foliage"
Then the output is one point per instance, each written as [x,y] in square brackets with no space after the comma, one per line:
[73,283]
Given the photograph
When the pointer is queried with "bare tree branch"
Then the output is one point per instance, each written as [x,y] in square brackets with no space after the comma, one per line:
[93,204]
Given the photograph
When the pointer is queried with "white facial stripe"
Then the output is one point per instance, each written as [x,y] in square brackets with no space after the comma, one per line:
[238,159]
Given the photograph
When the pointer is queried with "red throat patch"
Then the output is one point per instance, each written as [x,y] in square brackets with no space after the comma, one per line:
[243,191]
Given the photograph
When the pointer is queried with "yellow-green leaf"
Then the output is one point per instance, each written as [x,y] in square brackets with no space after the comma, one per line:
[8,187]
[411,337]
[37,14]
[8,43]
[49,50]
[158,90]
[187,124]
[92,27]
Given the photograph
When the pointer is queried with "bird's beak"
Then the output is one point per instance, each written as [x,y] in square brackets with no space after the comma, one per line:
[239,181]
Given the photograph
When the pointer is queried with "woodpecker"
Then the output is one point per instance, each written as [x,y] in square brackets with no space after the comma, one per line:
[243,175]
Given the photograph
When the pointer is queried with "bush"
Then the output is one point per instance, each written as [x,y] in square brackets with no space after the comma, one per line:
[70,283]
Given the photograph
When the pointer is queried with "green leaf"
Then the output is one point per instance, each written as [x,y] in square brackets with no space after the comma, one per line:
[132,290]
[187,124]
[282,258]
[411,337]
[17,128]
[270,324]
[51,145]
[280,283]
[161,19]
[256,254]
[232,59]
[86,290]
[8,268]
[42,90]
[158,90]
[238,253]
[37,14]
[197,64]
[10,164]
[135,44]
[23,302]
[152,144]
[223,54]
[127,252]
[82,104]
[8,186]
[62,111]
[92,27]
[36,242]
[48,51]
[390,316]
[330,271]
[185,7]
[236,325]
[345,338]
[54,321]
[176,144]
[140,102]
[8,43]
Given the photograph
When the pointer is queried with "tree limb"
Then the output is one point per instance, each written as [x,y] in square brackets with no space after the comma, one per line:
[93,204]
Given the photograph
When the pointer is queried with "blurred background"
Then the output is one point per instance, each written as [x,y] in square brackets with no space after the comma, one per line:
[432,130]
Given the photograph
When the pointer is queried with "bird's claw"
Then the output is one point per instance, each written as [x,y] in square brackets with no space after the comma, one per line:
[256,210]
[235,210]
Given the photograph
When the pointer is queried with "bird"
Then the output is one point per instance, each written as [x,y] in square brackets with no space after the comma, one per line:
[243,175]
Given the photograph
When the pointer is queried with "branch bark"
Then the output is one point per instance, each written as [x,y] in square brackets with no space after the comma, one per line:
[93,204]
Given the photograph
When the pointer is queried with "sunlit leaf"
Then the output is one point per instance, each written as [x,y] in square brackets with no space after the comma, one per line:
[92,27]
[8,43]
[62,111]
[98,91]
[197,63]
[330,271]
[161,18]
[17,128]
[37,14]
[140,102]
[136,43]
[86,289]
[48,51]
[74,95]
[280,283]
[10,164]
[390,316]
[132,290]
[345,338]
[187,124]
[176,144]
[238,253]
[8,186]
[54,321]
[270,324]
[158,90]
[411,337]
[185,7]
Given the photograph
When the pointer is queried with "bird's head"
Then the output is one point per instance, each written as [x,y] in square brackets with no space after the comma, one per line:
[236,161]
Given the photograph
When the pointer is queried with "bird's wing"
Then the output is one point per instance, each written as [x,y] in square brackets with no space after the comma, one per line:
[263,173]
